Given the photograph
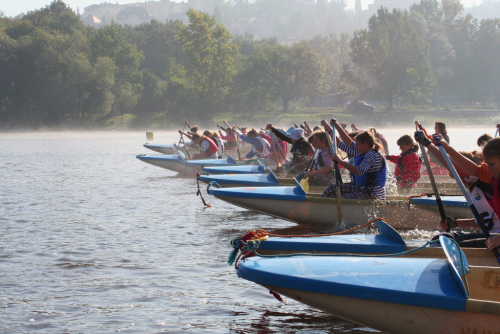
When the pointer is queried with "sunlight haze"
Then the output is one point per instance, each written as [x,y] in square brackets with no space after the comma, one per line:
[13,8]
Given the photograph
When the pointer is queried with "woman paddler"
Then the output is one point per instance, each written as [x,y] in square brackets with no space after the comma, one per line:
[208,148]
[408,163]
[301,150]
[260,146]
[229,138]
[369,171]
[217,140]
[322,173]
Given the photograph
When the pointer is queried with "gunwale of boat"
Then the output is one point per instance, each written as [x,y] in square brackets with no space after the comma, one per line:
[475,256]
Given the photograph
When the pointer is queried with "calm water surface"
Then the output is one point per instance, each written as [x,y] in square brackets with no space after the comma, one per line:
[93,240]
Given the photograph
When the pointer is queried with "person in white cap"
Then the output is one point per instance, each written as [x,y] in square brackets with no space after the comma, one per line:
[301,150]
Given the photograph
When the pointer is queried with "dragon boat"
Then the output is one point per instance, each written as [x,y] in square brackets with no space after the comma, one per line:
[173,148]
[391,294]
[261,176]
[162,148]
[178,162]
[386,241]
[294,204]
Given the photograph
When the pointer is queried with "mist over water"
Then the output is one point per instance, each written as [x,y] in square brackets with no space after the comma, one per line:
[93,240]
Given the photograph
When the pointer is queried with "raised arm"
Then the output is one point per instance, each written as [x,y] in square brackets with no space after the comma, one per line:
[465,163]
[279,134]
[185,134]
[343,135]
[464,166]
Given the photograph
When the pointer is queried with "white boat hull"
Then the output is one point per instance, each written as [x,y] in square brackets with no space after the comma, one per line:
[323,211]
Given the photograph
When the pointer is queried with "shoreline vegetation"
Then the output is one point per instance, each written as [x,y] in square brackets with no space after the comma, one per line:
[58,74]
[161,121]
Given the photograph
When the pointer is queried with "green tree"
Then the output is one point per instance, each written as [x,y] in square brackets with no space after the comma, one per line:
[112,42]
[209,62]
[394,54]
[286,73]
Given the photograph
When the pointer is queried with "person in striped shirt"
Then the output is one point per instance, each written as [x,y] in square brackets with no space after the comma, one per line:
[369,170]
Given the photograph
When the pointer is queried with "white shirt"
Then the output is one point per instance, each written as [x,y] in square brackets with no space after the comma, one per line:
[205,145]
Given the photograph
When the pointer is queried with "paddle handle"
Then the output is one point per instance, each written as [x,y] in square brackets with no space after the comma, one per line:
[477,216]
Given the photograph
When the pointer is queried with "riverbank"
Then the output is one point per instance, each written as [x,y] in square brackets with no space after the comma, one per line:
[470,117]
[397,118]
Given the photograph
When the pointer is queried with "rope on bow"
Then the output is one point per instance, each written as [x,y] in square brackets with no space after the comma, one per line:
[198,193]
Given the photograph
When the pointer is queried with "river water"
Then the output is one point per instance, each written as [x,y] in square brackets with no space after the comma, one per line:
[93,240]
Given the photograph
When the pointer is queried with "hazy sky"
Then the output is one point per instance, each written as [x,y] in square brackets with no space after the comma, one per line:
[15,7]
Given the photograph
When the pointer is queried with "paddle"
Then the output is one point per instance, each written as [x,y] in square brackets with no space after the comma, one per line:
[183,128]
[235,136]
[185,147]
[279,146]
[311,163]
[477,216]
[273,140]
[496,133]
[333,152]
[433,181]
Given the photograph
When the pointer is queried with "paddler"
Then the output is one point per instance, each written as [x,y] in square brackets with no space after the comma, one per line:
[322,173]
[301,150]
[208,148]
[481,179]
[260,146]
[369,170]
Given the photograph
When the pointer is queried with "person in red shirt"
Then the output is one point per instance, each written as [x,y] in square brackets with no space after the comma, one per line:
[408,163]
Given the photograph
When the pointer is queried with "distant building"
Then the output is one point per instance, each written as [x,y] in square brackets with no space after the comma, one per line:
[134,13]
[390,4]
[258,27]
[486,10]
[92,21]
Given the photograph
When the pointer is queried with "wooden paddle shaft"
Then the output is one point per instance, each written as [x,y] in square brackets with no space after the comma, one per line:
[185,147]
[477,216]
[277,142]
[333,152]
[434,185]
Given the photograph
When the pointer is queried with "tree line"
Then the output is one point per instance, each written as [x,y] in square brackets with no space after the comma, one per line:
[55,71]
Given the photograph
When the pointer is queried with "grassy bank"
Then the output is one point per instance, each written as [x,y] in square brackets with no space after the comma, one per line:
[313,116]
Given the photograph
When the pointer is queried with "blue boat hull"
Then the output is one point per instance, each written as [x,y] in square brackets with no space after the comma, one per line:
[394,295]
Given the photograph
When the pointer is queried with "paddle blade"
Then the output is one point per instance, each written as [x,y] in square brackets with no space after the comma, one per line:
[304,183]
[150,136]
